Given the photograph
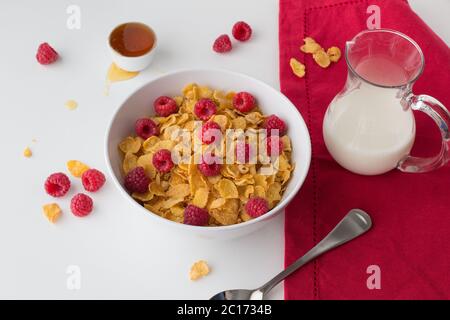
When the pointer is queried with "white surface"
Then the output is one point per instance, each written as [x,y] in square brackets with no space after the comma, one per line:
[119,251]
[270,101]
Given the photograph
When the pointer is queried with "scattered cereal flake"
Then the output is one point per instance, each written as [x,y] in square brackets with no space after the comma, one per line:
[52,212]
[334,53]
[76,168]
[322,58]
[34,140]
[71,104]
[310,46]
[297,67]
[27,152]
[198,270]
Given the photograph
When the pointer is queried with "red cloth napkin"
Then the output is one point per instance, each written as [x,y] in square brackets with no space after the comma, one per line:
[410,238]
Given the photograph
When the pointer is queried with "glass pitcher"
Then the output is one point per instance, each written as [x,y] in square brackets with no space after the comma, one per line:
[369,127]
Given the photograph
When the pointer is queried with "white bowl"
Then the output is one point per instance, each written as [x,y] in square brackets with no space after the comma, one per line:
[140,104]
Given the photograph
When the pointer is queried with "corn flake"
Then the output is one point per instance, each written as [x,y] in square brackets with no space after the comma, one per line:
[198,270]
[76,168]
[52,212]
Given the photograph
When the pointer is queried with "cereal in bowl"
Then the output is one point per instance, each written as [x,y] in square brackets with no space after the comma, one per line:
[208,158]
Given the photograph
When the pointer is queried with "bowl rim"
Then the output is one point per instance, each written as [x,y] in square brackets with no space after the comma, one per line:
[280,206]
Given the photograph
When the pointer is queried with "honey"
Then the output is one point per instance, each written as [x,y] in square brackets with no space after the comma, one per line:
[116,74]
[132,39]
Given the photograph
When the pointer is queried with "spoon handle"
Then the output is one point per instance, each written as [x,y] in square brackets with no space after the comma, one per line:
[354,224]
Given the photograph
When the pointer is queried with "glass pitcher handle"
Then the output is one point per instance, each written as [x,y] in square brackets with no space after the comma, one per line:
[441,116]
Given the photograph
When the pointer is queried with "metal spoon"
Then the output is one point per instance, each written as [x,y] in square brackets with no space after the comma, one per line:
[354,224]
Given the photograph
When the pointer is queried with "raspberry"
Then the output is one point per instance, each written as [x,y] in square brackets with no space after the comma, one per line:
[205,109]
[57,184]
[243,101]
[271,142]
[208,167]
[81,205]
[165,106]
[256,207]
[273,122]
[137,181]
[162,160]
[146,128]
[222,44]
[195,216]
[242,31]
[243,152]
[210,130]
[93,180]
[46,54]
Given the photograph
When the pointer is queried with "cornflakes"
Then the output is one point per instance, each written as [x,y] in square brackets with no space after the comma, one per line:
[198,270]
[224,195]
[334,53]
[27,152]
[76,168]
[321,58]
[52,212]
[297,67]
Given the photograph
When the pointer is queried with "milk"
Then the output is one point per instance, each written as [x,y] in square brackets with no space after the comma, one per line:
[366,129]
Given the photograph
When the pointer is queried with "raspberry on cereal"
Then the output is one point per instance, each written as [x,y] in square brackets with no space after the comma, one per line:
[46,54]
[222,44]
[205,109]
[145,128]
[165,106]
[162,161]
[274,123]
[137,181]
[93,180]
[210,130]
[275,145]
[242,152]
[256,206]
[209,167]
[243,101]
[81,205]
[57,184]
[242,31]
[195,216]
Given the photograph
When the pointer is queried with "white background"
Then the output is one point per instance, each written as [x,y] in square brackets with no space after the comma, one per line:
[121,253]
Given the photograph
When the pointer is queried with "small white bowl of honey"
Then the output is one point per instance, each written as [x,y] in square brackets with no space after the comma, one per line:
[132,46]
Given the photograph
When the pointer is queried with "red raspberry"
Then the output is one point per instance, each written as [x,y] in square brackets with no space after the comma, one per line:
[256,206]
[205,109]
[209,132]
[165,106]
[146,128]
[243,152]
[81,205]
[93,180]
[272,143]
[209,167]
[46,54]
[244,101]
[222,44]
[137,181]
[57,184]
[162,160]
[195,216]
[273,122]
[242,31]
